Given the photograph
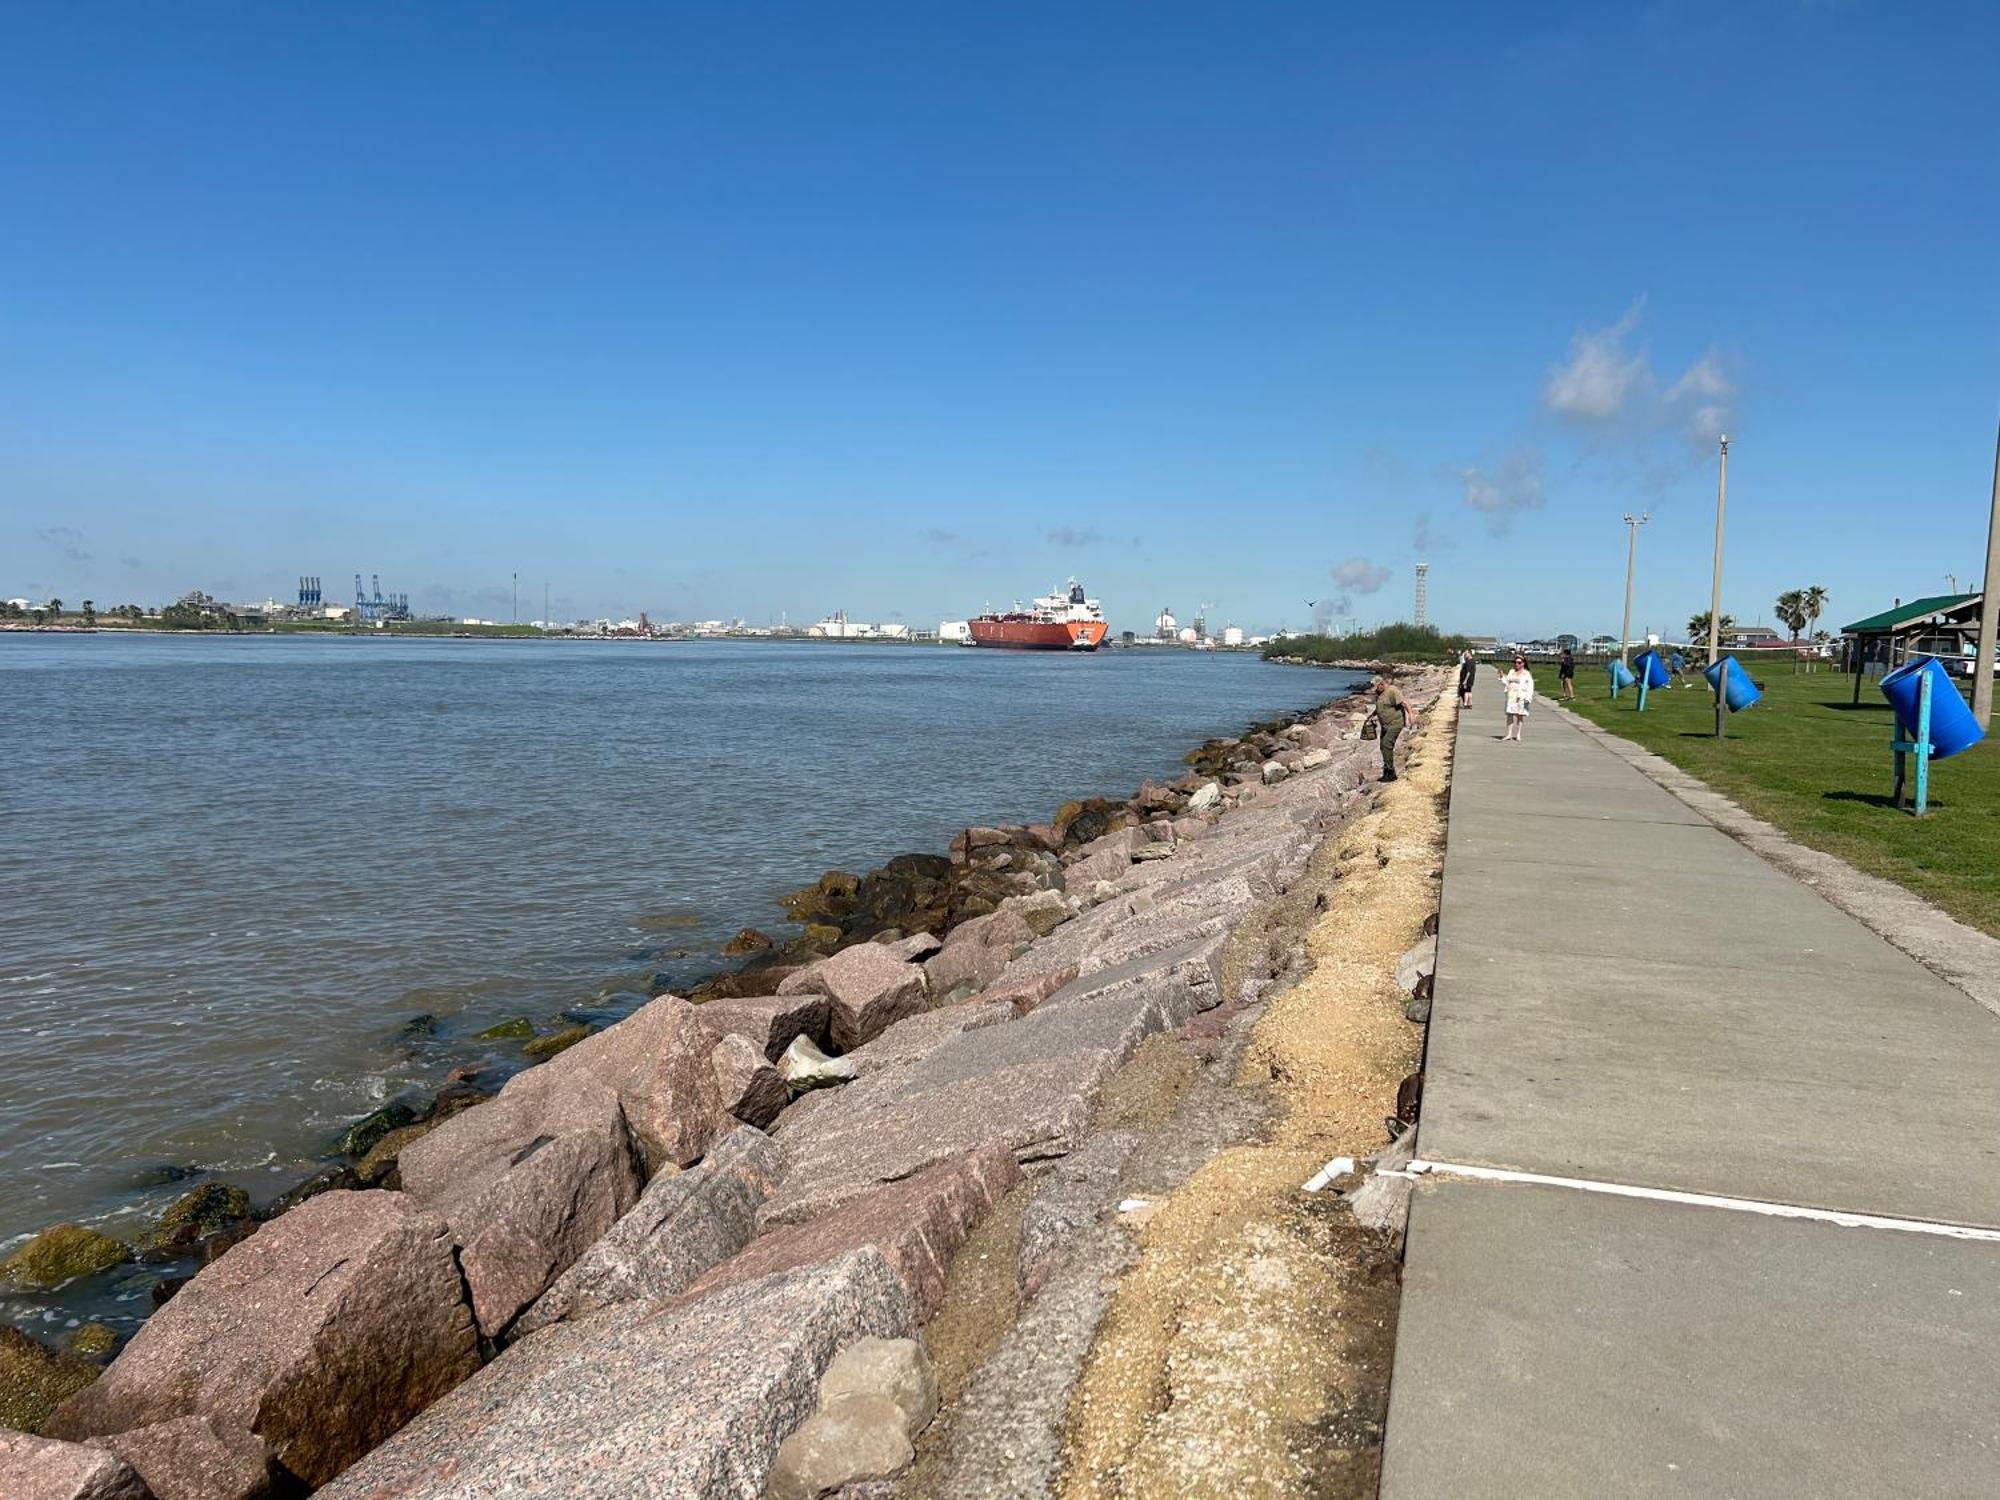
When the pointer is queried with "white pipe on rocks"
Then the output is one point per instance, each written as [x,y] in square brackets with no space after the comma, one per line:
[1340,1166]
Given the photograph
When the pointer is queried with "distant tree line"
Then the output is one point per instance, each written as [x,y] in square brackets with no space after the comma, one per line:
[1399,642]
[51,613]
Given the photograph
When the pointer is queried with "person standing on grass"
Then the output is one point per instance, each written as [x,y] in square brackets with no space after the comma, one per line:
[1566,670]
[1467,670]
[1392,716]
[1520,686]
[1679,665]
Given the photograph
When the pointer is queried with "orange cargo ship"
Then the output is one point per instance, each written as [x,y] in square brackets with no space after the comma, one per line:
[1058,622]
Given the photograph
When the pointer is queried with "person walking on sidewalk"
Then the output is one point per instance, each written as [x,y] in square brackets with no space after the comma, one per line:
[1566,671]
[1520,686]
[1392,717]
[1467,670]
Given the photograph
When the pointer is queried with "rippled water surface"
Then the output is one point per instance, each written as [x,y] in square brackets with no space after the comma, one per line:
[233,870]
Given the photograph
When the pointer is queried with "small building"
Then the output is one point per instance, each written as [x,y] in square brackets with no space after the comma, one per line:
[1942,625]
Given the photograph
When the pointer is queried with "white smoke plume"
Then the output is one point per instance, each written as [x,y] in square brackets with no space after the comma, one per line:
[1502,490]
[1357,575]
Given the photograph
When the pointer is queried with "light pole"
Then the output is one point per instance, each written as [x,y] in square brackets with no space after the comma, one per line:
[1715,592]
[1632,525]
[1989,610]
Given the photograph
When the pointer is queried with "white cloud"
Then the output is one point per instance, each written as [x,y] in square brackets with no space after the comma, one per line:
[1601,375]
[1608,384]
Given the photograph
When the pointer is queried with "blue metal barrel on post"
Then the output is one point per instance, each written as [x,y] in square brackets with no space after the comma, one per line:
[1728,678]
[1621,675]
[1952,726]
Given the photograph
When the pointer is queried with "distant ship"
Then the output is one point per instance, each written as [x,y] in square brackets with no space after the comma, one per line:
[1058,622]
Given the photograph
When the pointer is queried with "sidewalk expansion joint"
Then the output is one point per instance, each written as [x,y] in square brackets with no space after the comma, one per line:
[1941,1229]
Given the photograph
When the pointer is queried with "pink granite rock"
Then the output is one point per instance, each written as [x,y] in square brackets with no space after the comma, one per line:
[771,1021]
[964,966]
[323,1333]
[33,1468]
[690,1401]
[657,1060]
[1004,930]
[527,1183]
[917,1224]
[683,1224]
[195,1458]
[1025,992]
[869,987]
[1106,864]
[915,948]
[752,1090]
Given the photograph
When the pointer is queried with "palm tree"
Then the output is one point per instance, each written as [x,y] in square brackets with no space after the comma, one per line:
[1791,609]
[54,608]
[1814,599]
[1698,629]
[89,612]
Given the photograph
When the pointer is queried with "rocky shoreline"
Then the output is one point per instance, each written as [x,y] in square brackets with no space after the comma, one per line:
[786,1159]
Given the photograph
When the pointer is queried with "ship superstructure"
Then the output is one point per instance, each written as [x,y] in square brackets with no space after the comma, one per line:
[1062,621]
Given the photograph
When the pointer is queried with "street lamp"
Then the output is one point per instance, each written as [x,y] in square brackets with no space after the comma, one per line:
[1715,591]
[1632,525]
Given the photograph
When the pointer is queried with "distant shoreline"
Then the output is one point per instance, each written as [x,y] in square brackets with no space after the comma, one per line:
[530,633]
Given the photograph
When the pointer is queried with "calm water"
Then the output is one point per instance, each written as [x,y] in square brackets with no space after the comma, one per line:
[233,870]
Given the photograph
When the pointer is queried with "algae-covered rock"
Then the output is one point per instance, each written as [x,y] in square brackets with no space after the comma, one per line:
[208,1209]
[822,935]
[34,1377]
[520,1029]
[557,1041]
[62,1254]
[371,1127]
[834,895]
[381,1157]
[326,1180]
[218,1245]
[746,942]
[94,1341]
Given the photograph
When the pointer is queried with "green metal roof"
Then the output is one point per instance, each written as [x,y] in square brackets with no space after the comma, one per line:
[1902,614]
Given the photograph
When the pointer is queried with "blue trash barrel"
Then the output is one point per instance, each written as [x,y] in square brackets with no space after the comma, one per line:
[1952,726]
[1621,675]
[1651,671]
[1741,692]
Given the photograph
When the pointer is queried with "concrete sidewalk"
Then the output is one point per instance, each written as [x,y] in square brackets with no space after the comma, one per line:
[1628,997]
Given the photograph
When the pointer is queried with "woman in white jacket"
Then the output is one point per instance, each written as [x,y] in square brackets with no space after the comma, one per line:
[1520,686]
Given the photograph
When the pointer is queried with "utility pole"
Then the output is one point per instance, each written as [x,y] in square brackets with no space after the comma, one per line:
[1715,594]
[517,598]
[1631,553]
[1989,609]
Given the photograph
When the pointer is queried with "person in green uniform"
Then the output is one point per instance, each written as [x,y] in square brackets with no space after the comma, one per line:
[1392,716]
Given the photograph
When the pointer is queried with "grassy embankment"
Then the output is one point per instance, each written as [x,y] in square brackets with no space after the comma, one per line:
[1397,643]
[1817,766]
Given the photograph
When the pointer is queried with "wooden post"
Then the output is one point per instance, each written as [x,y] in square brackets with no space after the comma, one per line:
[1989,610]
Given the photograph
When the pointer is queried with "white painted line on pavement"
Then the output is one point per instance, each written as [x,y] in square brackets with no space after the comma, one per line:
[1943,1230]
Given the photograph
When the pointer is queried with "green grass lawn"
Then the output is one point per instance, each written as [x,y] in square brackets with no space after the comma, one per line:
[1818,767]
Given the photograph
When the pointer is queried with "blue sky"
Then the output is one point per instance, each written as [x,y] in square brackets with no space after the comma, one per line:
[734,309]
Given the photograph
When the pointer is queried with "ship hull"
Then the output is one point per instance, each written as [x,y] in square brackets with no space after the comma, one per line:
[1038,635]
